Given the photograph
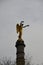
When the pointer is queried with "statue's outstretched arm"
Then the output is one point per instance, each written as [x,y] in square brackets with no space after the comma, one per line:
[25,26]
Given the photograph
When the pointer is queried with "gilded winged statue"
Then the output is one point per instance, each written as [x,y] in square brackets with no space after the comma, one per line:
[19,28]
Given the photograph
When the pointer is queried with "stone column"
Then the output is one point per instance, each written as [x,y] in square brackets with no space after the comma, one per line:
[20,60]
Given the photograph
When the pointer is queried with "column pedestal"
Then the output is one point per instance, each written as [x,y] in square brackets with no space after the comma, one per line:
[20,60]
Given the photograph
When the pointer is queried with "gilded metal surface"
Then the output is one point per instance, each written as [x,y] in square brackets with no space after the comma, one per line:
[19,28]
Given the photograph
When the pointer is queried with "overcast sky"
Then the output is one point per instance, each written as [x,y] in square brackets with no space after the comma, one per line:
[11,13]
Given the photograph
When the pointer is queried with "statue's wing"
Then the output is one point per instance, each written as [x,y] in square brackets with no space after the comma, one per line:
[17,28]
